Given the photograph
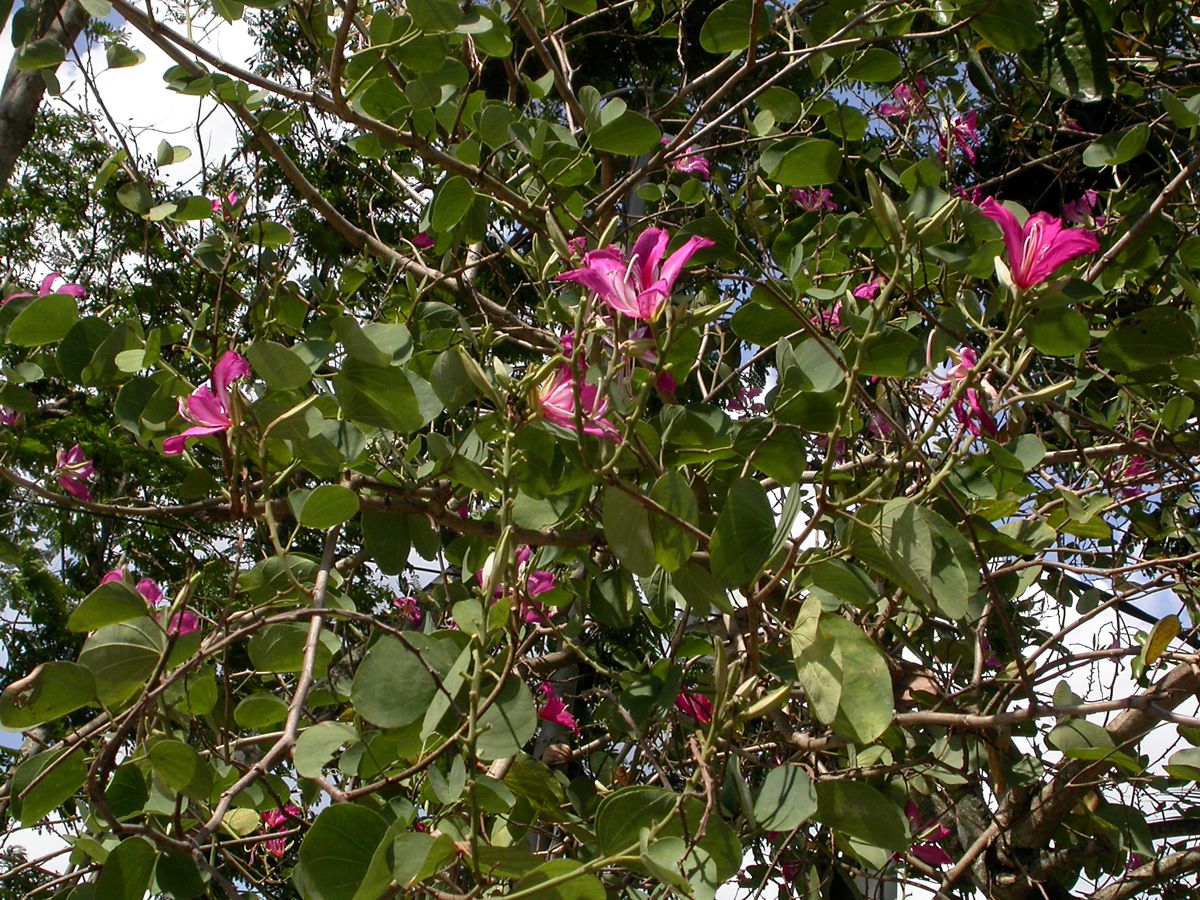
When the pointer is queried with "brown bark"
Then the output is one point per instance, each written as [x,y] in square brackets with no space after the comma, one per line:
[61,21]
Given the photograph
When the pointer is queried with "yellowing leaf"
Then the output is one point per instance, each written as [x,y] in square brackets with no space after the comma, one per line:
[1164,631]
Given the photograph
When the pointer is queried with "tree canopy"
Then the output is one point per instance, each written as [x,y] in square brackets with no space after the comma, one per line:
[574,450]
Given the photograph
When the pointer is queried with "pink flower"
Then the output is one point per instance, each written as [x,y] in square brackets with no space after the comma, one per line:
[422,241]
[929,835]
[964,131]
[532,612]
[1041,247]
[1136,468]
[225,206]
[537,582]
[150,591]
[813,201]
[666,384]
[879,424]
[1135,861]
[640,287]
[745,401]
[48,286]
[1081,211]
[8,416]
[558,402]
[691,162]
[989,661]
[974,195]
[117,574]
[279,820]
[554,710]
[830,318]
[408,609]
[578,245]
[697,706]
[968,409]
[183,623]
[869,290]
[209,408]
[909,101]
[74,471]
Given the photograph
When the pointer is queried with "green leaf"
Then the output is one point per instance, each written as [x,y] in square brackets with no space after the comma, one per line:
[126,873]
[328,505]
[337,850]
[1153,336]
[802,162]
[178,876]
[1074,58]
[508,723]
[182,769]
[127,793]
[741,542]
[122,657]
[45,320]
[582,886]
[191,209]
[392,686]
[1008,25]
[44,53]
[98,9]
[316,746]
[727,28]
[109,603]
[386,538]
[859,811]
[260,710]
[451,203]
[122,56]
[49,692]
[875,66]
[673,546]
[278,365]
[1117,147]
[786,800]
[268,234]
[1060,331]
[43,782]
[627,528]
[630,134]
[280,648]
[386,397]
[865,708]
[1185,764]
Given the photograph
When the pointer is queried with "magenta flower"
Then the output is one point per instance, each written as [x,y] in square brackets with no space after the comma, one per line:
[830,318]
[969,408]
[150,591]
[49,286]
[558,402]
[225,206]
[8,416]
[641,286]
[1041,247]
[964,131]
[814,200]
[989,661]
[909,101]
[697,706]
[745,400]
[880,425]
[666,384]
[869,290]
[578,245]
[409,609]
[73,472]
[537,581]
[422,241]
[1081,211]
[117,574]
[554,710]
[183,623]
[691,162]
[278,820]
[1136,468]
[209,408]
[929,835]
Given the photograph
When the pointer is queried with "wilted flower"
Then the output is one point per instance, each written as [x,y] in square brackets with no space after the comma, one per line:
[814,200]
[408,609]
[73,472]
[1137,466]
[745,400]
[869,290]
[963,130]
[422,241]
[554,710]
[209,408]
[640,286]
[909,101]
[558,403]
[697,706]
[1041,246]
[690,162]
[49,286]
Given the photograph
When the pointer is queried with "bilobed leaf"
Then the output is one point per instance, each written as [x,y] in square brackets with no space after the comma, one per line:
[181,768]
[122,56]
[337,850]
[506,725]
[865,708]
[45,320]
[1164,631]
[278,365]
[1059,331]
[328,505]
[260,710]
[802,162]
[1185,764]
[126,873]
[627,528]
[317,745]
[392,686]
[727,28]
[875,65]
[49,692]
[673,546]
[1151,337]
[630,134]
[107,604]
[451,203]
[1117,147]
[567,886]
[818,665]
[745,532]
[1008,25]
[122,657]
[42,782]
[386,397]
[786,800]
[268,234]
[862,812]
[44,53]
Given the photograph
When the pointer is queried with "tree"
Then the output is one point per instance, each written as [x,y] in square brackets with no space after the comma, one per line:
[623,450]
